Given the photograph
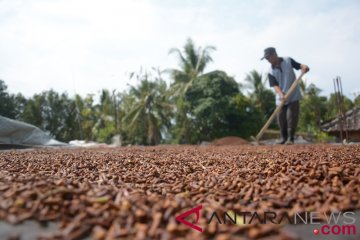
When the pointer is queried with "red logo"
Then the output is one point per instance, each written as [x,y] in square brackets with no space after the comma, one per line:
[181,218]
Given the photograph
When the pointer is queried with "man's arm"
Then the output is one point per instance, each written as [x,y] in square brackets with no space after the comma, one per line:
[304,68]
[279,91]
[274,84]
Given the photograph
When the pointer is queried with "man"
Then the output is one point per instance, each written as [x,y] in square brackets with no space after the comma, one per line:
[281,76]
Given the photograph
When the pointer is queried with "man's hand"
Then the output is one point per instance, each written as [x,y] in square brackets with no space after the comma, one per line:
[280,92]
[304,68]
[282,96]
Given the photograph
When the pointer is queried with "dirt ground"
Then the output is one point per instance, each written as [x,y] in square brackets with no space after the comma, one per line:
[230,141]
[137,192]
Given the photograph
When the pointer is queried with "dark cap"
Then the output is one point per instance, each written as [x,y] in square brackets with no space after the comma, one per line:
[268,51]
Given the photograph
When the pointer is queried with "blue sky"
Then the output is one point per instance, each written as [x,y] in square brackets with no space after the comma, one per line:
[82,46]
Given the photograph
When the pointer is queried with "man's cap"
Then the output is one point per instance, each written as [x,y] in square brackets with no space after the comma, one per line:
[268,51]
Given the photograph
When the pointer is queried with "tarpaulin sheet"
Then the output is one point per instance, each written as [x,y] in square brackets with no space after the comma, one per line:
[17,132]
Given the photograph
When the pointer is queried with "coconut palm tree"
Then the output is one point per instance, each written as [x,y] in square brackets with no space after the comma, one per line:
[303,87]
[150,110]
[263,98]
[192,62]
[254,82]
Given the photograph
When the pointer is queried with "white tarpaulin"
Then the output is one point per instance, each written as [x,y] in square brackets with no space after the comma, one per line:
[16,132]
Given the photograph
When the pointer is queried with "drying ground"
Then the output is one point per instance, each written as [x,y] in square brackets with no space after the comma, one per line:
[137,192]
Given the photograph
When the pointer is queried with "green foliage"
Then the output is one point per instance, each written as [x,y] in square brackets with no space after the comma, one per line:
[33,111]
[319,136]
[315,109]
[20,103]
[86,117]
[212,107]
[332,110]
[261,97]
[7,102]
[106,117]
[183,127]
[68,119]
[53,113]
[197,106]
[312,109]
[148,113]
[250,117]
[357,101]
[192,62]
[106,132]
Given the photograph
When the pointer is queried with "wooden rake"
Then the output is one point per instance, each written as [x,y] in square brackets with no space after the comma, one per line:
[277,110]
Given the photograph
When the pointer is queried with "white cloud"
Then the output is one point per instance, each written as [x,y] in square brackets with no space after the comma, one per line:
[84,46]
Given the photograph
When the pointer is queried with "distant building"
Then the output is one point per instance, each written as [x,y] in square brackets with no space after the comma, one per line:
[351,124]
